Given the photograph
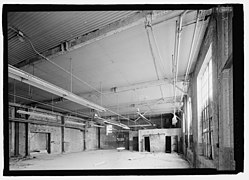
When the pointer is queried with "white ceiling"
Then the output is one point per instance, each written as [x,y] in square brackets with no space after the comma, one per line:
[122,60]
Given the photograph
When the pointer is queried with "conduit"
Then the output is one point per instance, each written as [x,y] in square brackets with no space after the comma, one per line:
[192,45]
[190,58]
[83,115]
[152,53]
[177,51]
[27,78]
[22,36]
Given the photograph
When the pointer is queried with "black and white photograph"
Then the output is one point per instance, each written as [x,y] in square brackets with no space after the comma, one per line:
[123,89]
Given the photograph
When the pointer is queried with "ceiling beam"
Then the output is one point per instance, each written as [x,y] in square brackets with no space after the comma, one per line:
[129,113]
[32,80]
[146,84]
[121,89]
[146,103]
[113,28]
[91,37]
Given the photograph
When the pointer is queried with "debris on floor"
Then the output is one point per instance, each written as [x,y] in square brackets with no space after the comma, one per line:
[120,149]
[99,163]
[102,159]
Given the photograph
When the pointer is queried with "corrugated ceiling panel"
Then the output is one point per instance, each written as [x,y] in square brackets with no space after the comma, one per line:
[49,29]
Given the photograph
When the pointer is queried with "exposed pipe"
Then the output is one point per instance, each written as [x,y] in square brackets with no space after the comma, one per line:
[190,58]
[192,45]
[177,51]
[23,36]
[148,24]
[49,105]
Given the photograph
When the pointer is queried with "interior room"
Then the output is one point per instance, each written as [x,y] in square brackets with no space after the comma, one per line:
[120,89]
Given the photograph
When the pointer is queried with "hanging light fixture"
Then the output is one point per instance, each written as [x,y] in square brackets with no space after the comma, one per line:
[30,79]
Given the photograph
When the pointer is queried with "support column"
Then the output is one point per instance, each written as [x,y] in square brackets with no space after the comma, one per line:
[27,139]
[16,147]
[62,134]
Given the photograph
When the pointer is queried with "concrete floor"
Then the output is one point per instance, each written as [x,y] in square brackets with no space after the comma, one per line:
[100,159]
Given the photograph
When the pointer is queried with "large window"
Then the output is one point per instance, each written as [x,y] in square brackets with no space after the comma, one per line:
[205,99]
[206,110]
[189,124]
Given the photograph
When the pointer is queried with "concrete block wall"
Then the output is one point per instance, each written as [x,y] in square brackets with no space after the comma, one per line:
[73,140]
[157,138]
[91,138]
[218,36]
[38,141]
[22,139]
[55,135]
[62,139]
[11,138]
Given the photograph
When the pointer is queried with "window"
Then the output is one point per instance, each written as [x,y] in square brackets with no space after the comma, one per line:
[205,99]
[206,111]
[189,120]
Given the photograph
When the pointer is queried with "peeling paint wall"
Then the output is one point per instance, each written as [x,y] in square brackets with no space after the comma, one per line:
[22,139]
[55,135]
[157,138]
[73,140]
[91,138]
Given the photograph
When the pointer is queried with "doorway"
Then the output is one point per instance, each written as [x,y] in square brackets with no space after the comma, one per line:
[135,143]
[98,129]
[40,142]
[168,144]
[147,144]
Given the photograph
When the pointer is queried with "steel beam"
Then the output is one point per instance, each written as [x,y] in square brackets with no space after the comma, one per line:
[113,28]
[121,89]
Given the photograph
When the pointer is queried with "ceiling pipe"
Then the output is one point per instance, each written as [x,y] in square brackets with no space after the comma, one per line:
[190,58]
[110,122]
[177,51]
[75,123]
[30,79]
[191,49]
[148,24]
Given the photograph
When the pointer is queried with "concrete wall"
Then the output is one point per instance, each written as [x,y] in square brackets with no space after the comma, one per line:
[91,138]
[55,135]
[11,138]
[157,138]
[22,139]
[108,141]
[218,36]
[27,137]
[73,140]
[131,135]
[38,141]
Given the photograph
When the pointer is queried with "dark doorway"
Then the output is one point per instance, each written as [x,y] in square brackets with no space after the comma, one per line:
[48,143]
[135,143]
[168,144]
[98,137]
[126,140]
[147,144]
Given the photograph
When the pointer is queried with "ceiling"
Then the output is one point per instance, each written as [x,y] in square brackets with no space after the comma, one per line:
[124,70]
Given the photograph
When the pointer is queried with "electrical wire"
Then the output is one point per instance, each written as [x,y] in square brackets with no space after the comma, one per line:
[19,33]
[188,69]
[154,59]
[30,42]
[48,105]
[62,67]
